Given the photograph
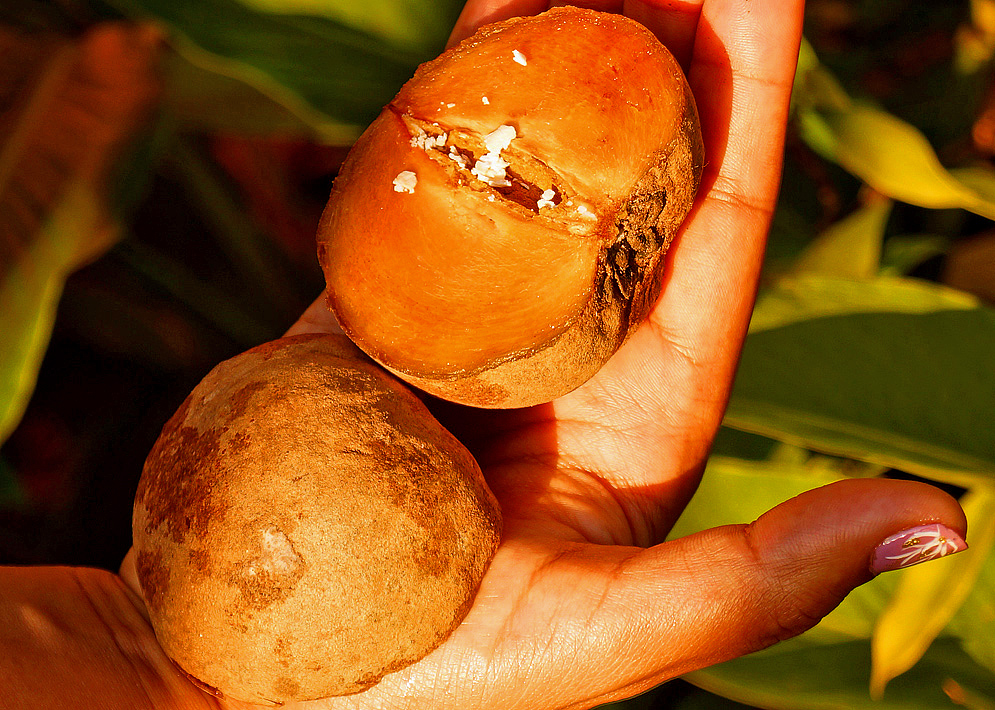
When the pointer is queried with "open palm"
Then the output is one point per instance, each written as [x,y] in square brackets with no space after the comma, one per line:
[583,602]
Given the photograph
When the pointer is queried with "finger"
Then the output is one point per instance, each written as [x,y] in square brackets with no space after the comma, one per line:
[741,75]
[76,637]
[316,319]
[598,623]
[674,22]
[667,388]
[729,591]
[477,13]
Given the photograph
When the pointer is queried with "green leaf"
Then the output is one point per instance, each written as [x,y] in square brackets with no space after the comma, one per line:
[331,65]
[851,247]
[806,297]
[79,106]
[929,595]
[974,623]
[414,24]
[791,676]
[815,87]
[887,153]
[893,372]
[902,253]
[739,491]
[200,96]
[733,443]
[891,156]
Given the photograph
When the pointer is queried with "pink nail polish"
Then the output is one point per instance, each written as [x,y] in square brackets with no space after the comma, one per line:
[915,545]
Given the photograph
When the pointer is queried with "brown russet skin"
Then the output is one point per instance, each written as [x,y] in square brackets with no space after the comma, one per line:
[511,295]
[303,525]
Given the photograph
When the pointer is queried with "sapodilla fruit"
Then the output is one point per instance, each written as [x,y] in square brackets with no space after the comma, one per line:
[500,229]
[303,526]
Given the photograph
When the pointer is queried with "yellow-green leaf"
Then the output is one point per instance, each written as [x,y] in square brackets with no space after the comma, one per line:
[887,153]
[894,158]
[929,595]
[851,247]
[77,105]
[809,296]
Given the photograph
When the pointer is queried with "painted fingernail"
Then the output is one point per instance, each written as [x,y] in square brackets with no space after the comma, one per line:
[915,545]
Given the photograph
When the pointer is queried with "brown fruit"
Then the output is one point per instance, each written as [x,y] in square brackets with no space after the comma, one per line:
[499,230]
[303,526]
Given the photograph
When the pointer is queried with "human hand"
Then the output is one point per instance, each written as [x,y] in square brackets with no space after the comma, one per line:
[584,603]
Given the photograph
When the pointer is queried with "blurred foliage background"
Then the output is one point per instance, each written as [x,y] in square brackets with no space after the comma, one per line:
[162,167]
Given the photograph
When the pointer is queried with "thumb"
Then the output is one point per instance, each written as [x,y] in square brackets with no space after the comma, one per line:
[728,591]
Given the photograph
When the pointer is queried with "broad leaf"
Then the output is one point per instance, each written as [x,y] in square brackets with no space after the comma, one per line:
[413,24]
[792,676]
[929,595]
[903,253]
[890,155]
[974,623]
[805,297]
[76,108]
[893,372]
[739,491]
[330,64]
[202,95]
[851,247]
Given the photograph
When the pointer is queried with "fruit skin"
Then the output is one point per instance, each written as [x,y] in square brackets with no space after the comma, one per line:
[474,293]
[303,526]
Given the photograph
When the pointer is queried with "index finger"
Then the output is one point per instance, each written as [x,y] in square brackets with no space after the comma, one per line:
[477,13]
[679,366]
[741,74]
[672,21]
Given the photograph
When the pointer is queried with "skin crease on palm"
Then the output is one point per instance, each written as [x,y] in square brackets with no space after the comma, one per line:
[584,603]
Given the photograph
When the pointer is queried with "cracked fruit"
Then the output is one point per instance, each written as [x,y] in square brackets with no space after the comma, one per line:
[500,229]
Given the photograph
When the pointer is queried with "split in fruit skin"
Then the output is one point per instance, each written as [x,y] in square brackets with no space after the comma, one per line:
[533,242]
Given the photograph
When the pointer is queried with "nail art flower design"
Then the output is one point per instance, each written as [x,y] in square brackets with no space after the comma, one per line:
[926,545]
[919,544]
